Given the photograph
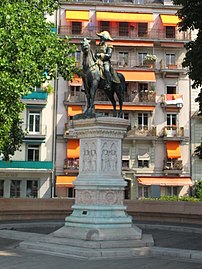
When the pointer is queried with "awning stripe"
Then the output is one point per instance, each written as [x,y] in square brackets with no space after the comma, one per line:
[129,43]
[165,181]
[77,15]
[73,148]
[76,82]
[74,110]
[65,181]
[173,149]
[123,17]
[138,75]
[125,107]
[169,20]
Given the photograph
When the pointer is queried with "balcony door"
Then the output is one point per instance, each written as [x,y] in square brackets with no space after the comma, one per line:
[34,119]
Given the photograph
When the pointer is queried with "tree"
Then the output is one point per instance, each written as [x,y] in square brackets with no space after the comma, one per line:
[29,50]
[190,13]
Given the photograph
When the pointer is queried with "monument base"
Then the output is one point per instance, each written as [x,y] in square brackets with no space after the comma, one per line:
[92,243]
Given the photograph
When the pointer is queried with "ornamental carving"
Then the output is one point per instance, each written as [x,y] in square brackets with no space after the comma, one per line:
[89,157]
[109,157]
[102,197]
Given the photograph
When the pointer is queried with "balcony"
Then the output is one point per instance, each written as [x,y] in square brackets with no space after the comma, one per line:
[39,165]
[141,131]
[172,132]
[173,166]
[36,95]
[129,33]
[174,101]
[69,131]
[35,132]
[74,98]
[71,166]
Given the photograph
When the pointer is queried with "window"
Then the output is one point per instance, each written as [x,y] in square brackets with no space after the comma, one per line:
[125,163]
[125,116]
[32,188]
[33,152]
[171,119]
[76,28]
[144,192]
[172,191]
[15,188]
[34,121]
[171,89]
[142,29]
[123,28]
[104,26]
[170,58]
[143,163]
[123,59]
[142,121]
[141,56]
[75,90]
[70,192]
[77,56]
[1,188]
[170,31]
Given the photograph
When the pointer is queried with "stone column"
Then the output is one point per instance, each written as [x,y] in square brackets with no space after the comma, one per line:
[99,212]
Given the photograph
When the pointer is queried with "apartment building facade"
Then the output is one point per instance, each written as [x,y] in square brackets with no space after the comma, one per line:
[148,50]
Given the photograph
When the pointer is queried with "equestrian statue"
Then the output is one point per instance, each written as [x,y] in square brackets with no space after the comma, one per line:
[98,74]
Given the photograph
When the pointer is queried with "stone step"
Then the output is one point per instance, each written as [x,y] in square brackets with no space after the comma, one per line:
[79,252]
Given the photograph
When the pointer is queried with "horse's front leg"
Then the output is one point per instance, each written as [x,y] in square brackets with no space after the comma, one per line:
[93,90]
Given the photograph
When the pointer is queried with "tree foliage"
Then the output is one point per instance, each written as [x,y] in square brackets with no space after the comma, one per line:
[29,49]
[190,13]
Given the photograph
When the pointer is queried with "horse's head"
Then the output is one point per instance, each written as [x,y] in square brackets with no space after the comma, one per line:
[85,45]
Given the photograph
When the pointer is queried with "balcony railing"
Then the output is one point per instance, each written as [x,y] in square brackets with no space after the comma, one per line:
[68,97]
[171,100]
[27,164]
[35,131]
[128,33]
[71,165]
[173,167]
[36,95]
[137,2]
[142,131]
[173,131]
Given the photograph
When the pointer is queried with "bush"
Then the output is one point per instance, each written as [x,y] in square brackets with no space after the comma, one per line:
[198,189]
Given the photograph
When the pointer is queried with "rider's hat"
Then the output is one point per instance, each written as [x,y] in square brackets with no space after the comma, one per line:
[106,35]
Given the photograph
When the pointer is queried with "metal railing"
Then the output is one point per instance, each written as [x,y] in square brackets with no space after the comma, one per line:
[175,164]
[173,131]
[142,131]
[129,33]
[36,130]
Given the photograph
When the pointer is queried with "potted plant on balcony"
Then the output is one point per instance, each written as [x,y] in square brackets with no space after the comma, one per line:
[150,60]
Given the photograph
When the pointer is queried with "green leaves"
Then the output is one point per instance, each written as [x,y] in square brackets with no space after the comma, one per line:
[190,13]
[28,47]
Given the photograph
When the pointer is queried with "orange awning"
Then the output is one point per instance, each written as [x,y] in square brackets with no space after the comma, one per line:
[170,20]
[74,110]
[138,75]
[129,43]
[173,149]
[73,148]
[77,15]
[125,107]
[165,181]
[65,181]
[123,16]
[172,44]
[76,82]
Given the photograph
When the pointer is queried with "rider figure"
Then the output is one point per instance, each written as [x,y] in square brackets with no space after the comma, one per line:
[105,53]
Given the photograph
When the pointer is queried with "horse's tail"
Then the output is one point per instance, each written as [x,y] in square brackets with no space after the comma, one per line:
[123,82]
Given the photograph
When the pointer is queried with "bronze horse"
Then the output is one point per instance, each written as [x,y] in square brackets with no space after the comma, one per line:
[92,80]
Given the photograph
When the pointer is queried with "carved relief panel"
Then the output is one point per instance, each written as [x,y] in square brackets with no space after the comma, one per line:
[110,153]
[88,156]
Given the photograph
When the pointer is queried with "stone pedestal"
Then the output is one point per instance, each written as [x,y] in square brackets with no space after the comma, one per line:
[99,226]
[99,212]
